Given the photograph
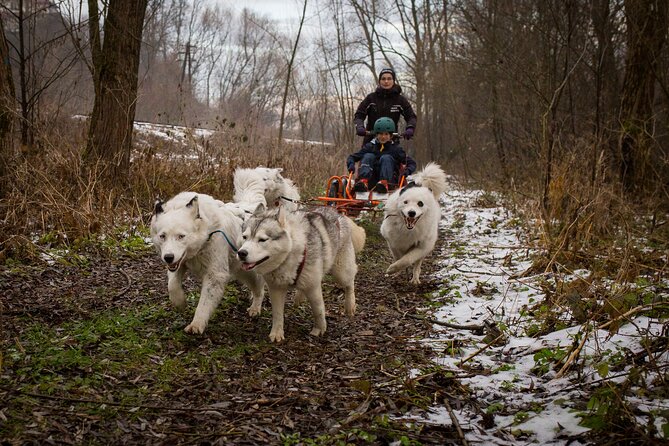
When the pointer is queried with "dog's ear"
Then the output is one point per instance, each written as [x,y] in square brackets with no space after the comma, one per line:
[194,206]
[158,207]
[259,209]
[281,216]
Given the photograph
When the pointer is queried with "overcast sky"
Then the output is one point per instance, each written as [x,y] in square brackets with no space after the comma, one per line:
[286,12]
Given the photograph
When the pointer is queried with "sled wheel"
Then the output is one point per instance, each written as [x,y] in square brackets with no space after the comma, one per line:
[344,184]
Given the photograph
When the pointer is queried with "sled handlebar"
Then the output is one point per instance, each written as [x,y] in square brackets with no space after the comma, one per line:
[394,135]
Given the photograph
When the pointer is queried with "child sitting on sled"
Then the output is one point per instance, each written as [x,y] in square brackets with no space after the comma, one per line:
[379,159]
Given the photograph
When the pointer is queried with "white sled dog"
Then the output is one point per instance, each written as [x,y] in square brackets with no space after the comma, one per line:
[263,185]
[196,232]
[411,220]
[296,249]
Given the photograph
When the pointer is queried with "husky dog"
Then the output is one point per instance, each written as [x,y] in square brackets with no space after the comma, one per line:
[196,232]
[411,220]
[296,249]
[266,186]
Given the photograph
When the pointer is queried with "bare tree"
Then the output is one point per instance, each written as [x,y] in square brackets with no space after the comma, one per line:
[111,125]
[38,39]
[646,35]
[337,73]
[289,71]
[367,14]
[7,107]
[606,79]
[250,75]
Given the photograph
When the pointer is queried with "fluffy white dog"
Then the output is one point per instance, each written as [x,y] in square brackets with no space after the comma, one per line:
[266,186]
[197,233]
[411,220]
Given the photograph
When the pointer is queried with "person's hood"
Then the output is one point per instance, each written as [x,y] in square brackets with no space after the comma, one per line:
[395,89]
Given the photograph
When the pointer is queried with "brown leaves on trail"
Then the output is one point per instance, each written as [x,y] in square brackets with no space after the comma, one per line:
[229,385]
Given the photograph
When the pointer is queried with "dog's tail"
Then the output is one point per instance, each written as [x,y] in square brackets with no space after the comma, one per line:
[358,236]
[432,177]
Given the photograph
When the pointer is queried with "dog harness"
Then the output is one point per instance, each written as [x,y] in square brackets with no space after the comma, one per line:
[301,266]
[408,186]
[232,246]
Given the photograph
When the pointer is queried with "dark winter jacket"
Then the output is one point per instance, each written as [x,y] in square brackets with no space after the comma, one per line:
[378,149]
[410,165]
[384,103]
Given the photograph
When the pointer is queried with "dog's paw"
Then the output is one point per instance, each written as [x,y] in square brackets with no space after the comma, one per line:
[349,309]
[195,328]
[276,336]
[317,331]
[254,310]
[393,268]
[415,280]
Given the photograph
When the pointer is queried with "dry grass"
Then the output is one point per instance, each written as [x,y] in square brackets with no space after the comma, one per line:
[49,194]
[588,223]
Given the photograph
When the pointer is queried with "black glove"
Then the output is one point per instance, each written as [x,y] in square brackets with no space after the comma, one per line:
[351,169]
[360,130]
[408,133]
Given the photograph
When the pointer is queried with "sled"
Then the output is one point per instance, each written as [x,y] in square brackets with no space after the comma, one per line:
[340,195]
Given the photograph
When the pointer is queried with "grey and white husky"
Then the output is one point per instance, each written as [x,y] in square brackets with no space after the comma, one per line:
[295,250]
[197,233]
[411,220]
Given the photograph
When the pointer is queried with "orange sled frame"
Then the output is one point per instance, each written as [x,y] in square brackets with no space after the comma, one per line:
[340,195]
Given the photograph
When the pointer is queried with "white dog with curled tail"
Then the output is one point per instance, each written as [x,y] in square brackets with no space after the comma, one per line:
[266,186]
[411,220]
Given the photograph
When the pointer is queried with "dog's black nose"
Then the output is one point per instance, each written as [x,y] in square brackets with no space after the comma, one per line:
[169,258]
[412,214]
[242,253]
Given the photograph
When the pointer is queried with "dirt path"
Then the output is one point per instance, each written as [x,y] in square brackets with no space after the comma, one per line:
[96,354]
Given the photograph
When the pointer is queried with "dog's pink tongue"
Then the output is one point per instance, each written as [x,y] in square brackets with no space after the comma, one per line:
[248,266]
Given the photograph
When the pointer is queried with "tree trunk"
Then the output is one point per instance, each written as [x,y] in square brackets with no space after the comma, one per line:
[7,109]
[110,132]
[493,14]
[26,132]
[646,35]
[606,83]
[289,72]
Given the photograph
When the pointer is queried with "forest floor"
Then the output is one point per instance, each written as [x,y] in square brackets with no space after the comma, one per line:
[93,352]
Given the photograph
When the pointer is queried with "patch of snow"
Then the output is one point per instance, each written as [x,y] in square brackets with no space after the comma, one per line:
[482,253]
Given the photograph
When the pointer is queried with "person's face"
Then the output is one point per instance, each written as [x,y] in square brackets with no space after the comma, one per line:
[383,137]
[386,81]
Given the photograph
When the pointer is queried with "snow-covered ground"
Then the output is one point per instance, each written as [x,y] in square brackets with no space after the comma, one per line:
[516,380]
[174,133]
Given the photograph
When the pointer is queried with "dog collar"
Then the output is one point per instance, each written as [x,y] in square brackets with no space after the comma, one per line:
[301,266]
[232,246]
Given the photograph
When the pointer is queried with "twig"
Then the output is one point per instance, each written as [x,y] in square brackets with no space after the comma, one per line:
[481,273]
[482,349]
[630,312]
[124,290]
[112,403]
[606,378]
[572,356]
[454,419]
[578,349]
[474,328]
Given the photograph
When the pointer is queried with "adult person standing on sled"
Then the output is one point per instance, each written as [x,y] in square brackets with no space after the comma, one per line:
[386,101]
